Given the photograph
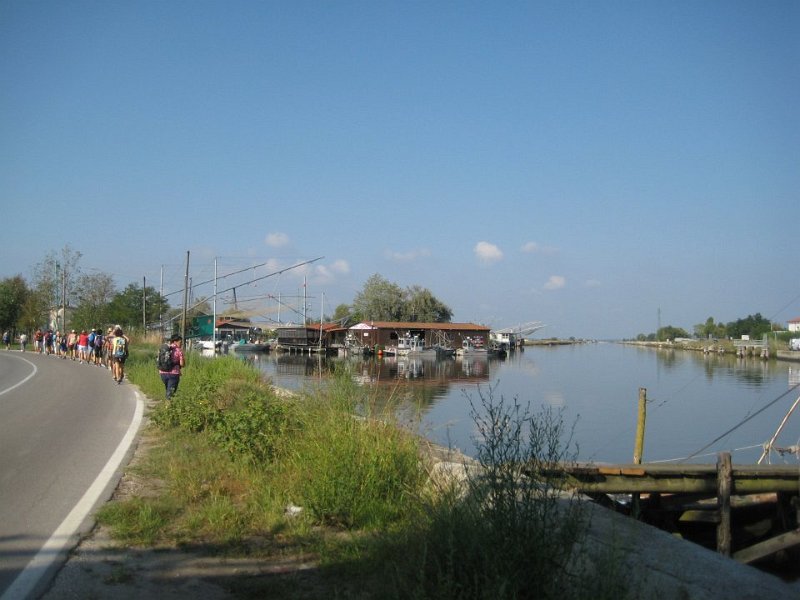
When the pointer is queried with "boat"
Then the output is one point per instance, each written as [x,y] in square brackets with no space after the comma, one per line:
[244,346]
[413,346]
[511,338]
[472,347]
[208,345]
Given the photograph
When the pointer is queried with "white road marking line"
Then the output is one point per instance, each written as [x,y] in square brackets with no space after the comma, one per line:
[26,581]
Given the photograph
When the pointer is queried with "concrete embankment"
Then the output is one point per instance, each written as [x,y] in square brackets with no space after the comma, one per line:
[656,564]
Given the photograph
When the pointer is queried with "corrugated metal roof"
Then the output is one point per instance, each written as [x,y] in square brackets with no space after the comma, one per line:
[429,326]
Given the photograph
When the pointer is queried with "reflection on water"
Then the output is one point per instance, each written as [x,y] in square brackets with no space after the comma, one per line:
[693,397]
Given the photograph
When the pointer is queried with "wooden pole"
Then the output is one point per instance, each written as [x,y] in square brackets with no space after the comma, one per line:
[724,487]
[638,449]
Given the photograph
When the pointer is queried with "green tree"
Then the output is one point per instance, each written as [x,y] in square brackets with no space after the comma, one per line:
[125,308]
[97,290]
[421,305]
[344,313]
[710,329]
[670,333]
[379,300]
[755,326]
[13,294]
[382,300]
[55,275]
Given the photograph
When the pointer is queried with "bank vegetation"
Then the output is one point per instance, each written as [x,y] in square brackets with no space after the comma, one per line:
[238,469]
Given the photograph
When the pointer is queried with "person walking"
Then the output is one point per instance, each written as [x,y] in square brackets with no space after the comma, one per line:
[72,344]
[119,354]
[7,339]
[23,341]
[83,347]
[170,362]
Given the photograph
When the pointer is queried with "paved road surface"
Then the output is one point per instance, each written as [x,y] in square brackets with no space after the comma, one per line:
[65,429]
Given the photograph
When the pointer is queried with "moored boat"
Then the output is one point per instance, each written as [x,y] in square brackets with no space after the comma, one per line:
[472,347]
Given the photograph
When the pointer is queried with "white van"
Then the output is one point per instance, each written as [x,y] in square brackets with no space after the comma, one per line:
[794,344]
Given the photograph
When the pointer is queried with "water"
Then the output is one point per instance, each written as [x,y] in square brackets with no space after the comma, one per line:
[692,398]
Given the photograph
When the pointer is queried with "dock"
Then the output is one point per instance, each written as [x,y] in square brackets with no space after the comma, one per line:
[747,512]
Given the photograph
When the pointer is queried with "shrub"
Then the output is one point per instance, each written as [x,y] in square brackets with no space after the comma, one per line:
[362,471]
[502,534]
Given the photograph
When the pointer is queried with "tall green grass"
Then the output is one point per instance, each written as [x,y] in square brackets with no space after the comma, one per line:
[232,455]
[363,471]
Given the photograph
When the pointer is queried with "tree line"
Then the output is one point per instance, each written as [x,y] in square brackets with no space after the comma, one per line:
[382,300]
[755,326]
[91,298]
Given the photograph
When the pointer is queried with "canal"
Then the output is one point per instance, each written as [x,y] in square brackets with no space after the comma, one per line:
[693,398]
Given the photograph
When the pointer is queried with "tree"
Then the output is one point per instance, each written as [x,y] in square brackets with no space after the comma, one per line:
[344,313]
[670,333]
[710,329]
[421,305]
[97,290]
[13,294]
[382,300]
[755,326]
[379,300]
[54,276]
[125,308]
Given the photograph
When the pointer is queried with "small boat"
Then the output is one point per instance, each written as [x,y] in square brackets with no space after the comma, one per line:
[244,346]
[414,346]
[470,347]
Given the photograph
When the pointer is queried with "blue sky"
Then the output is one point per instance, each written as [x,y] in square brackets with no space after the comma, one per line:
[585,164]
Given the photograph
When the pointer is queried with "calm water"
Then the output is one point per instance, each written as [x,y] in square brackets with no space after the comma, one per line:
[693,398]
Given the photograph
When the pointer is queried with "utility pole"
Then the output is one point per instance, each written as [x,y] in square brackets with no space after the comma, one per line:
[144,305]
[185,298]
[64,298]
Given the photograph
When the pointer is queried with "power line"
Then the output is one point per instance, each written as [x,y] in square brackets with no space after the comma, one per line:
[742,422]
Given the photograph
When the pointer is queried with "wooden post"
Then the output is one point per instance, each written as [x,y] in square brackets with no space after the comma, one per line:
[638,449]
[724,487]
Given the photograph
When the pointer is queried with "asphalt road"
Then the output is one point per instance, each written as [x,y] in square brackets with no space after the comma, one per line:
[66,430]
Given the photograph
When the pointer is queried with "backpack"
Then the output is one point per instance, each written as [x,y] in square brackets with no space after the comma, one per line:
[98,341]
[120,348]
[165,360]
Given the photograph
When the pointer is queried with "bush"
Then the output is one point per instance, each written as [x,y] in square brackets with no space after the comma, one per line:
[227,399]
[502,533]
[362,471]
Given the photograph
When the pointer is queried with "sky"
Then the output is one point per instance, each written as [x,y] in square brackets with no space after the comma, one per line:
[601,167]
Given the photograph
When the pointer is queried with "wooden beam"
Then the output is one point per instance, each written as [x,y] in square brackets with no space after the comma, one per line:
[768,547]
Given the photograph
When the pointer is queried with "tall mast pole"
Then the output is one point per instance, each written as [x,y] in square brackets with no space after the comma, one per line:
[214,323]
[185,297]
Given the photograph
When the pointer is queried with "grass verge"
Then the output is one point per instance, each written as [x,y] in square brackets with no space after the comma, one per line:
[233,461]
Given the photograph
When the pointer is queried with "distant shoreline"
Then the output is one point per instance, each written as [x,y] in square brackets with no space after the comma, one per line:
[717,347]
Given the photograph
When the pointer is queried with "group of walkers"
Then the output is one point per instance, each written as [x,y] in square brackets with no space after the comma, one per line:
[109,349]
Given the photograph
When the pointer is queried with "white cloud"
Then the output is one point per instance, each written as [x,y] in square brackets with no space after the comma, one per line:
[340,266]
[325,274]
[409,256]
[276,239]
[556,282]
[530,247]
[536,248]
[488,253]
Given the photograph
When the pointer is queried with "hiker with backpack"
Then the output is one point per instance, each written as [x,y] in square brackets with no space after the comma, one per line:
[98,347]
[170,360]
[119,353]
